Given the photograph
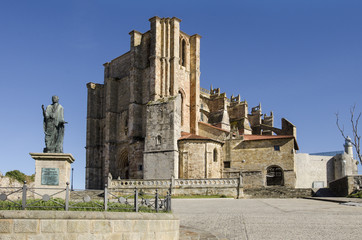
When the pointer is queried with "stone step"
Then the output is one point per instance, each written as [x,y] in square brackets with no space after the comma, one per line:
[323,192]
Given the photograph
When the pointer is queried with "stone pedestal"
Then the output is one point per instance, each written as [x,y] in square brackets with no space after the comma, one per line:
[52,171]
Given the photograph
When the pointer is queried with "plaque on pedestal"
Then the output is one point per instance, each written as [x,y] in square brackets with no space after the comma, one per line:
[52,170]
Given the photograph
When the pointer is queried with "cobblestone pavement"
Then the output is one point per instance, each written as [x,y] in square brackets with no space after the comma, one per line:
[266,219]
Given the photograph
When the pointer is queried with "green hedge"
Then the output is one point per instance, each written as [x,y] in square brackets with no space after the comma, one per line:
[58,205]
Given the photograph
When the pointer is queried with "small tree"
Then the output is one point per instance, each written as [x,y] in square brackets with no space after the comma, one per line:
[356,138]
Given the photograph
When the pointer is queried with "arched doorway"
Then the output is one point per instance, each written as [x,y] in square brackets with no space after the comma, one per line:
[274,176]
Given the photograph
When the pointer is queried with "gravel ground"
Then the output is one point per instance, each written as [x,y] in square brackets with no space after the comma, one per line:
[266,219]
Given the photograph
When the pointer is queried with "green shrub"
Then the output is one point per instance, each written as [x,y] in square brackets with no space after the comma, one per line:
[356,195]
[19,176]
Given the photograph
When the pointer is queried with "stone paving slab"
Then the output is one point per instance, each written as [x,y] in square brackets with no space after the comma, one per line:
[266,219]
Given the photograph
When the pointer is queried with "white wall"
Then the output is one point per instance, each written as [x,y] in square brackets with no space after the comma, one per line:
[310,168]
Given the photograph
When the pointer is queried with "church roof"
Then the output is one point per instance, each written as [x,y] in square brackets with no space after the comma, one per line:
[209,125]
[190,136]
[269,137]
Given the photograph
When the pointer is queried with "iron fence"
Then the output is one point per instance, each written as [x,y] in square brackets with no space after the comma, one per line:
[99,200]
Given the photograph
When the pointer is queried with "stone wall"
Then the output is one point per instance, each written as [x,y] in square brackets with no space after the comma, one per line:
[346,185]
[26,225]
[313,168]
[162,131]
[277,192]
[200,159]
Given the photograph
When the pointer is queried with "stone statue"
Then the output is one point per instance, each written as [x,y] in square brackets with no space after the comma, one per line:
[54,126]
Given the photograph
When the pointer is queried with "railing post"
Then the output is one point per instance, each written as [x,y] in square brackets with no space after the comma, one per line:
[135,199]
[156,200]
[23,202]
[105,197]
[67,197]
[169,203]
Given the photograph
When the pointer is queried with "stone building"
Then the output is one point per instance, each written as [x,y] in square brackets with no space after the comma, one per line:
[151,120]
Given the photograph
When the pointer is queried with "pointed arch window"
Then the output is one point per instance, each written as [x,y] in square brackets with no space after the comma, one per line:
[183,52]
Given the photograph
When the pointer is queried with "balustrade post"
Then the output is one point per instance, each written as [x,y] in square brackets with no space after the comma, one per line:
[135,199]
[105,199]
[172,183]
[239,189]
[67,197]
[23,202]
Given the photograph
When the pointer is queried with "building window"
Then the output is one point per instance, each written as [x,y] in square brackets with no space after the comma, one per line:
[140,167]
[227,164]
[183,52]
[201,114]
[276,148]
[158,140]
[215,155]
[182,109]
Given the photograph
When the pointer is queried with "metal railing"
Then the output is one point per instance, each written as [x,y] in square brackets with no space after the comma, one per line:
[103,200]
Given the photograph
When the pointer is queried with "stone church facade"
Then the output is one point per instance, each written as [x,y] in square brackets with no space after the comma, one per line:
[151,120]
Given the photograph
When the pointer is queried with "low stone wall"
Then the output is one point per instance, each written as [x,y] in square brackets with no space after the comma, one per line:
[346,185]
[24,225]
[277,192]
[13,188]
[217,186]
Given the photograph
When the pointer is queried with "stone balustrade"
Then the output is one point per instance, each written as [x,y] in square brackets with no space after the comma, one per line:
[216,186]
[207,182]
[139,183]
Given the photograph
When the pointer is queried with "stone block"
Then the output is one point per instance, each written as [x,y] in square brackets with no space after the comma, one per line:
[78,226]
[102,226]
[148,236]
[163,226]
[140,226]
[26,226]
[123,225]
[166,235]
[48,236]
[13,237]
[6,226]
[115,236]
[53,226]
[89,236]
[131,236]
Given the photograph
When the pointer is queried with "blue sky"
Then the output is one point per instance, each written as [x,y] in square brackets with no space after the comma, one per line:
[301,59]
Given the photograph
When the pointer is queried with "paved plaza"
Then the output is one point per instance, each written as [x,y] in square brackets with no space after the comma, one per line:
[267,219]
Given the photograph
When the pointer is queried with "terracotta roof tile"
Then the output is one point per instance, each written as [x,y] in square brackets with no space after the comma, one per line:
[209,125]
[186,135]
[190,136]
[264,137]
